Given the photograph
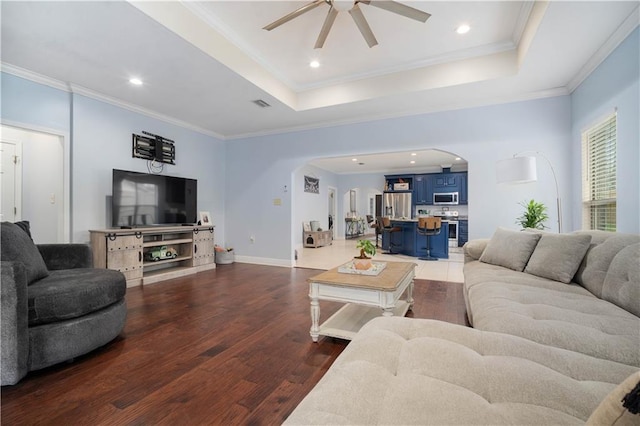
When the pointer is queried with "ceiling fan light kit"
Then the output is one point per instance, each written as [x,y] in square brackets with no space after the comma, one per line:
[336,6]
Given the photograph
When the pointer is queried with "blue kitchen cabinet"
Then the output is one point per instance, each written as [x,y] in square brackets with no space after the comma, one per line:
[451,182]
[439,244]
[446,182]
[463,198]
[406,238]
[415,245]
[423,193]
[463,232]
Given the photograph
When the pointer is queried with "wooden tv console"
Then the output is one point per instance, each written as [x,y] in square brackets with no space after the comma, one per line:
[127,251]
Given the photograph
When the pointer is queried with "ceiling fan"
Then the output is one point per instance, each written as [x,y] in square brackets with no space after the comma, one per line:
[356,13]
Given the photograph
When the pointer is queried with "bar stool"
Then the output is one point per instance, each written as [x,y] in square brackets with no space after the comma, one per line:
[390,230]
[377,226]
[429,226]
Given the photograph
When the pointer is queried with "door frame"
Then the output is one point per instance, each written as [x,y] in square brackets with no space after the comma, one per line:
[64,234]
[18,175]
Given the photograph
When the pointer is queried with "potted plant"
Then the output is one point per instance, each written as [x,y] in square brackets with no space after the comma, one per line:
[533,216]
[363,261]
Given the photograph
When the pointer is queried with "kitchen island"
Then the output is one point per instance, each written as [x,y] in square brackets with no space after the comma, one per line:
[413,244]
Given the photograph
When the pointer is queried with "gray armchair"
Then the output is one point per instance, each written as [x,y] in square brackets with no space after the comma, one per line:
[54,305]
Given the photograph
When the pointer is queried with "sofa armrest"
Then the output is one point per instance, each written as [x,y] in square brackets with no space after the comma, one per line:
[66,256]
[14,344]
[473,249]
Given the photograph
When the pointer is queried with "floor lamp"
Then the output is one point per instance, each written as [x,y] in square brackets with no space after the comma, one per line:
[522,169]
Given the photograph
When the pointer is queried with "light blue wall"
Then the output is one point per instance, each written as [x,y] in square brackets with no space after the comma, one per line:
[35,104]
[101,141]
[613,85]
[311,206]
[259,167]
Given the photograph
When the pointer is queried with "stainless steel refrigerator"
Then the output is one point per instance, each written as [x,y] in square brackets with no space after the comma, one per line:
[397,205]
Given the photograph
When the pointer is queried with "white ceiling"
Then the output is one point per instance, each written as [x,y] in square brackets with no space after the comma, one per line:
[203,63]
[403,43]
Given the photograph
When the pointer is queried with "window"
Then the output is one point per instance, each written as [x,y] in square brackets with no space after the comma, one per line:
[599,176]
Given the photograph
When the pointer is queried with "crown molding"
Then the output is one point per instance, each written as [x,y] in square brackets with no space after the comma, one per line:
[34,76]
[83,91]
[623,31]
[550,93]
[521,21]
[79,90]
[460,55]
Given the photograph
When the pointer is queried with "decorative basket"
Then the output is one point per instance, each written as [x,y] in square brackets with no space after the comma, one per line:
[225,257]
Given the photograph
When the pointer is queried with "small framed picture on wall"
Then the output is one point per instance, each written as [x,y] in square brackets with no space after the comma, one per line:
[205,218]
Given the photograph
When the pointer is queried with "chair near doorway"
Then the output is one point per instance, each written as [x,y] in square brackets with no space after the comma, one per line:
[428,227]
[389,231]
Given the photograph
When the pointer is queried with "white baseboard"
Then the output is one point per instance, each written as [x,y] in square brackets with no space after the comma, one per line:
[265,261]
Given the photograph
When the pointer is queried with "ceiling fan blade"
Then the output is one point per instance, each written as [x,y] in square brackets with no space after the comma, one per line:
[326,27]
[363,25]
[400,9]
[294,14]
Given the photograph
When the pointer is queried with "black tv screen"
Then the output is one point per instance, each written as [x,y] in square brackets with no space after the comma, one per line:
[143,199]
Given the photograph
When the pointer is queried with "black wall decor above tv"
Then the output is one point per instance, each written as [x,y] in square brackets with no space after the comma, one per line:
[154,147]
[144,199]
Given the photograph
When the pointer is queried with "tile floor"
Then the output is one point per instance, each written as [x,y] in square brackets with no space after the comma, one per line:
[342,251]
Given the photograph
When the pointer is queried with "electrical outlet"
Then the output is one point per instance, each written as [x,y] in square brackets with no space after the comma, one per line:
[252,238]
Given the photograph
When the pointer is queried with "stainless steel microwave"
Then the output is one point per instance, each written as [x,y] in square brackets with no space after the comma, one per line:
[445,198]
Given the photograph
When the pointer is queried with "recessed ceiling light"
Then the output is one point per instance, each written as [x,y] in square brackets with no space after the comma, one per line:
[458,158]
[354,159]
[413,154]
[135,81]
[463,29]
[314,64]
[412,161]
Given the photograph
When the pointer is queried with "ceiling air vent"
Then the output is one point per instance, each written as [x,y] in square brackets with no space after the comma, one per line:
[261,103]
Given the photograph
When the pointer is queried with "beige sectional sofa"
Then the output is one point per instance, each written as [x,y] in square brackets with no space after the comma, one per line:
[596,313]
[543,351]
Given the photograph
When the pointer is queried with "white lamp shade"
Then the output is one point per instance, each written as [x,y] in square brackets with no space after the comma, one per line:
[516,170]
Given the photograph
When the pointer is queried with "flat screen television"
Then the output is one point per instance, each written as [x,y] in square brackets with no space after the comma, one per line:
[144,199]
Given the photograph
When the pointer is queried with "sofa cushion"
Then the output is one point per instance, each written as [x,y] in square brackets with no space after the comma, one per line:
[417,371]
[622,282]
[611,410]
[473,249]
[72,293]
[510,249]
[16,245]
[604,247]
[558,256]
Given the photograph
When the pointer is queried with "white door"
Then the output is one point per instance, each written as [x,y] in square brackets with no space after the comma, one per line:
[40,189]
[10,181]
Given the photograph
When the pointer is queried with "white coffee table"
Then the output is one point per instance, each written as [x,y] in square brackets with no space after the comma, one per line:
[366,297]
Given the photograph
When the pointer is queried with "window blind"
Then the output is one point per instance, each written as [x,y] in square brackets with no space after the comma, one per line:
[599,175]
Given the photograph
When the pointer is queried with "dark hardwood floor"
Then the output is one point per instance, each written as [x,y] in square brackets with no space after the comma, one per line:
[228,346]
